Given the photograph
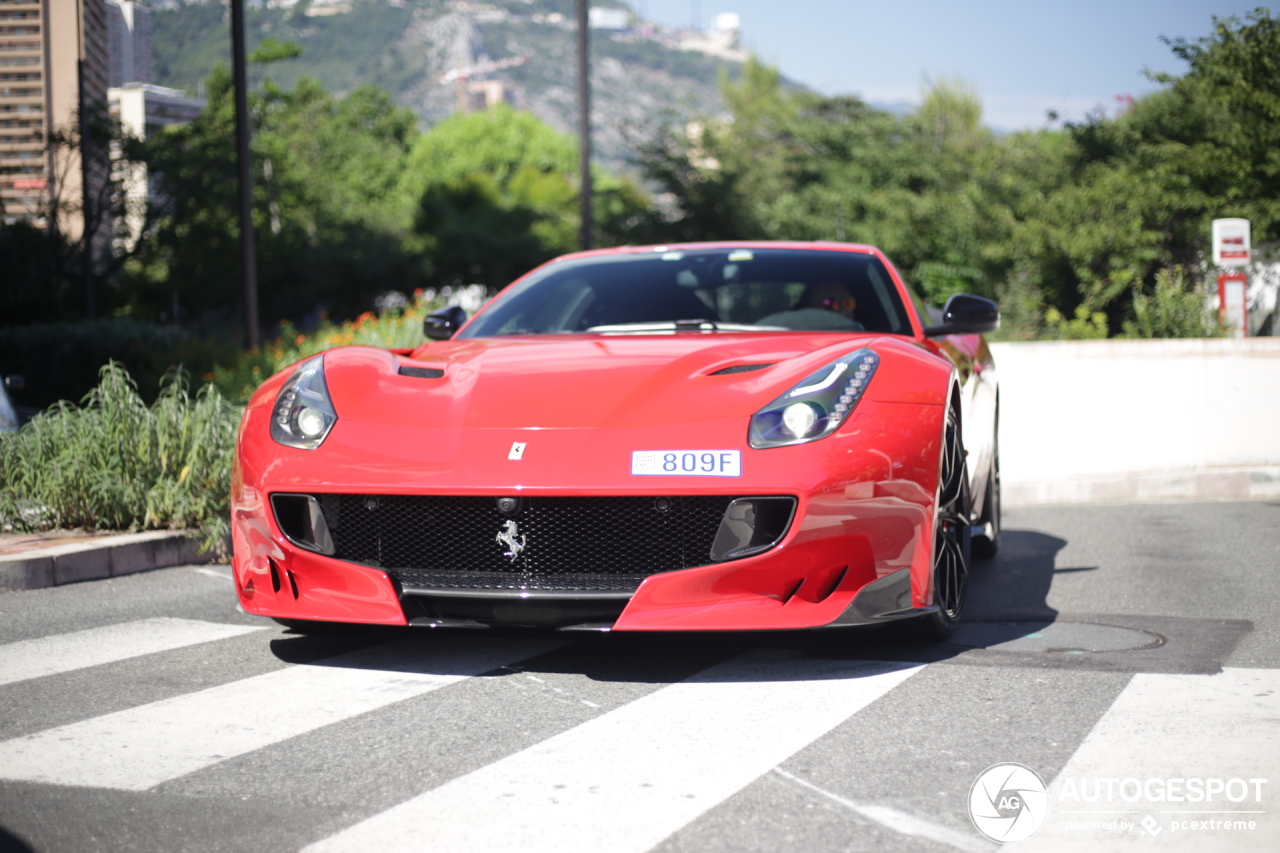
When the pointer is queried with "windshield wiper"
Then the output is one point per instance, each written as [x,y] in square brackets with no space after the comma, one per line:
[680,326]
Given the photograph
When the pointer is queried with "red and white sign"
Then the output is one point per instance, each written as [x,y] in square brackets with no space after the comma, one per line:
[1233,302]
[1231,242]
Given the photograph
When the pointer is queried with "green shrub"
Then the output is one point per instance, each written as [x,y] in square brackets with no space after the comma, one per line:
[1084,326]
[1176,308]
[117,464]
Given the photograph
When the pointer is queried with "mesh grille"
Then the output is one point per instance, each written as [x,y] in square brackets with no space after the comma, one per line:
[570,544]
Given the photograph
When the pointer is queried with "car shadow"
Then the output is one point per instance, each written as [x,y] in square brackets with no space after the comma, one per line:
[11,843]
[1012,587]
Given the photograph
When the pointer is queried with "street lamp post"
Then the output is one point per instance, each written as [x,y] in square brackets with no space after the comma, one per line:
[248,264]
[584,125]
[86,198]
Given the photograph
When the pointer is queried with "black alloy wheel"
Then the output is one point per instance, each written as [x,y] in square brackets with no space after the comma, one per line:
[951,538]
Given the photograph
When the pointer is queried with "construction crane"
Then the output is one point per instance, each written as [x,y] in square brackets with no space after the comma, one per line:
[462,75]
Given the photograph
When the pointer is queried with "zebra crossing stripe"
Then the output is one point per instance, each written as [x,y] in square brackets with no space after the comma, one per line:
[1173,729]
[138,748]
[96,646]
[628,779]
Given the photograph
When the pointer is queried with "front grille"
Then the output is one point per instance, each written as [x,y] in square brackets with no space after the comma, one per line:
[571,544]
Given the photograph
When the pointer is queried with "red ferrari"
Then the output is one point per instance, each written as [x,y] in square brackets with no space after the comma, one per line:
[713,436]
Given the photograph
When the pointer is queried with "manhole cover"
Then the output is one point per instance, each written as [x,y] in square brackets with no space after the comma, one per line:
[1064,637]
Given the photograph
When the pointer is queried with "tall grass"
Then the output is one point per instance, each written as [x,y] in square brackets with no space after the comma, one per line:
[115,463]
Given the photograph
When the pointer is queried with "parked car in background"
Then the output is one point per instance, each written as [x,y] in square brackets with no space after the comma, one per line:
[9,419]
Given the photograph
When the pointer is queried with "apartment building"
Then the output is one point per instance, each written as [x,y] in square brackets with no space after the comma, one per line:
[40,44]
[129,41]
[143,109]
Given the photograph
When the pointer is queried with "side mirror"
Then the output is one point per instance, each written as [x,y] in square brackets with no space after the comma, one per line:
[15,382]
[966,314]
[440,325]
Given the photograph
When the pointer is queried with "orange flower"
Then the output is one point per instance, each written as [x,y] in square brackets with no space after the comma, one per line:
[300,340]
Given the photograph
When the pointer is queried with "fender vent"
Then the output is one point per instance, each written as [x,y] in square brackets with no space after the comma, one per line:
[421,372]
[742,368]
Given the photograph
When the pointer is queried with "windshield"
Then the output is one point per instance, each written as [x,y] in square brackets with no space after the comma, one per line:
[702,290]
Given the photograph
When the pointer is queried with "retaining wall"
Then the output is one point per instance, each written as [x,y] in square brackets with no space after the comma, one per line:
[1114,421]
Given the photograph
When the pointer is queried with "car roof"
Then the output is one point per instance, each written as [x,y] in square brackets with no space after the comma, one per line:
[825,245]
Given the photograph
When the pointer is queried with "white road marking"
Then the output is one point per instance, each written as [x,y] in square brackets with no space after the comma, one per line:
[622,782]
[214,573]
[139,748]
[1179,727]
[899,821]
[95,646]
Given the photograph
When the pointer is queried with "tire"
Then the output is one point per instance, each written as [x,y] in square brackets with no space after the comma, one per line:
[951,540]
[987,543]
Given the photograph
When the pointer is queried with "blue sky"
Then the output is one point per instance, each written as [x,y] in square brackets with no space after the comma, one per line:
[1023,57]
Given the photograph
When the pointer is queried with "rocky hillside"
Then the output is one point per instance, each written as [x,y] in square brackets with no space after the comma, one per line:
[640,74]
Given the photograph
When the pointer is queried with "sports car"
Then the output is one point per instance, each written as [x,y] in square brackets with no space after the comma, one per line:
[713,436]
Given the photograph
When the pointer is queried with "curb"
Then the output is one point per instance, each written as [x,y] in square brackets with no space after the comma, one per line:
[102,558]
[1203,484]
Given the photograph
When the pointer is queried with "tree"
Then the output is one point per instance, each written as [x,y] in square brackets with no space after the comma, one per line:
[1142,188]
[44,266]
[1079,220]
[329,225]
[793,165]
[494,193]
[1235,83]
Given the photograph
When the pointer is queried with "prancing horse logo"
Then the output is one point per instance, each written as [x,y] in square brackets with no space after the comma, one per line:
[507,538]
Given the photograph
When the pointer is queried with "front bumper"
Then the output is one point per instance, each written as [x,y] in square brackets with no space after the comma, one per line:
[857,552]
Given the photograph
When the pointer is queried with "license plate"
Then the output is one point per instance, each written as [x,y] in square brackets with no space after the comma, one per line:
[687,463]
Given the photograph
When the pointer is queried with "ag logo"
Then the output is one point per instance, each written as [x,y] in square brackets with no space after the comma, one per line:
[1008,802]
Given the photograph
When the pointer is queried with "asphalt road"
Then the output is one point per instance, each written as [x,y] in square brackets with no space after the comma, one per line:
[145,713]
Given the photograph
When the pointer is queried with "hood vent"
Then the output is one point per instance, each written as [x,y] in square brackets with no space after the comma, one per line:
[421,372]
[739,368]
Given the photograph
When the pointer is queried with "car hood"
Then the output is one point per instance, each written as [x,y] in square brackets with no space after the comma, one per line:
[575,382]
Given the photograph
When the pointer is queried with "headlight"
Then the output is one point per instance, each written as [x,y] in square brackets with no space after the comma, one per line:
[817,405]
[303,413]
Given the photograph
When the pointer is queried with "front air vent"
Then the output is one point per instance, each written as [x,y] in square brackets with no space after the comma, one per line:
[752,525]
[742,368]
[421,372]
[303,522]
